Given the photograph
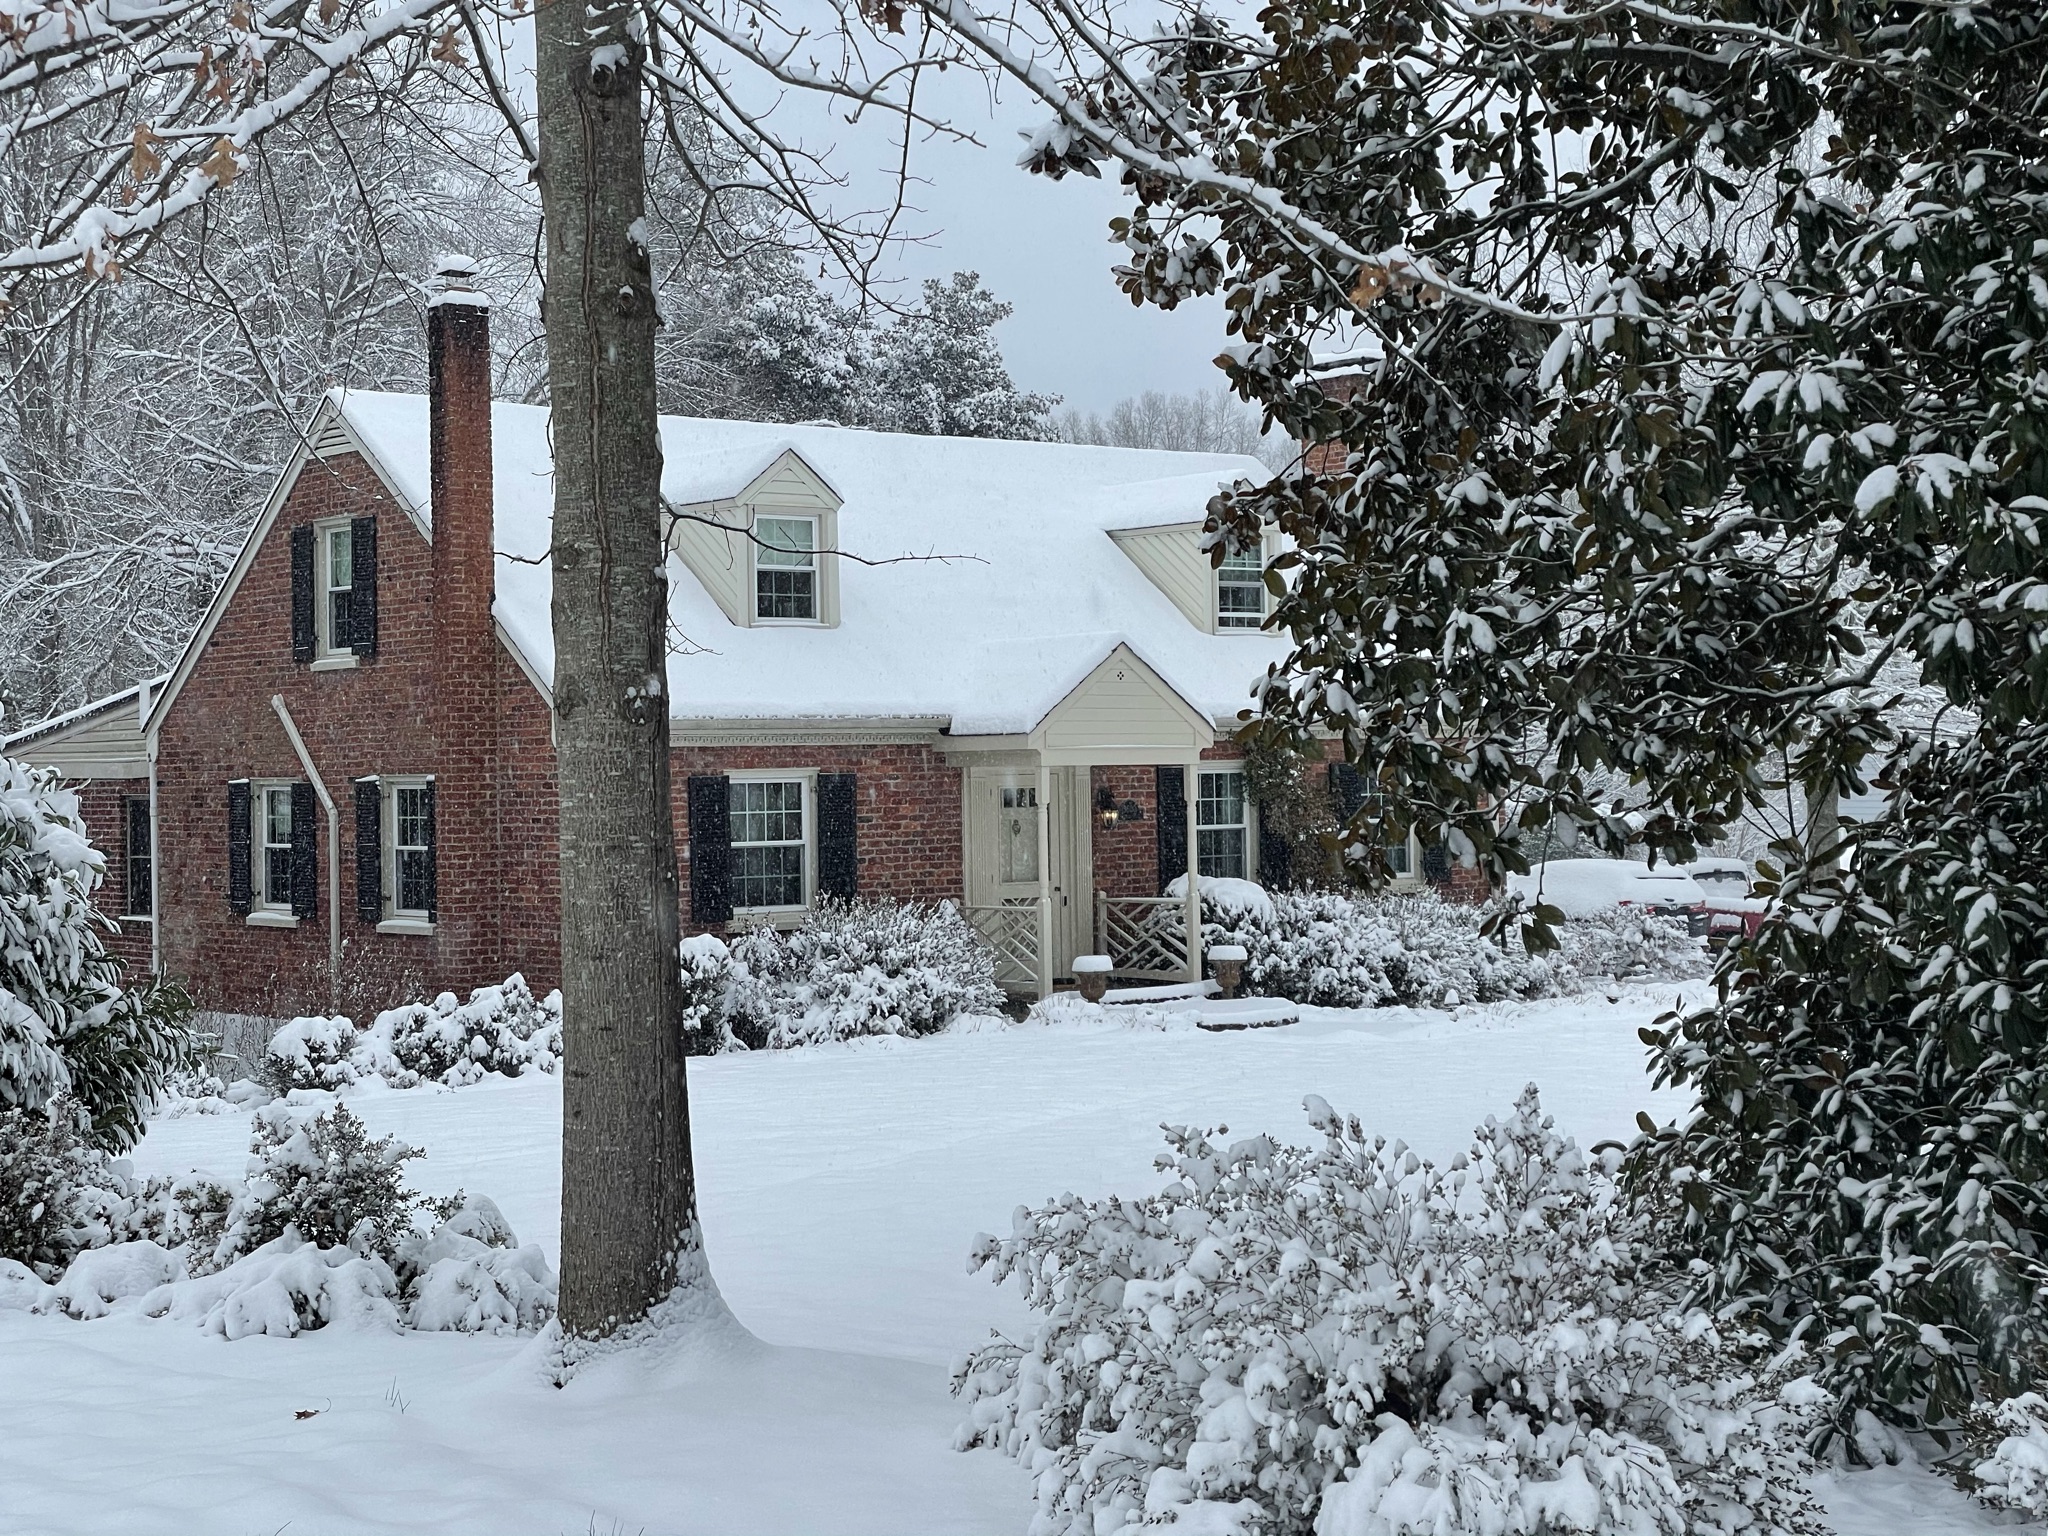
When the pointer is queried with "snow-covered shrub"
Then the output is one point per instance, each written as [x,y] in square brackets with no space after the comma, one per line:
[325,1179]
[310,1052]
[1349,1339]
[70,1026]
[2015,1473]
[1629,943]
[859,968]
[708,970]
[424,1042]
[516,1028]
[44,1171]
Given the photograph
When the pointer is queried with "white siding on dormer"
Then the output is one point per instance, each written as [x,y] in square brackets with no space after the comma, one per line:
[721,560]
[1173,559]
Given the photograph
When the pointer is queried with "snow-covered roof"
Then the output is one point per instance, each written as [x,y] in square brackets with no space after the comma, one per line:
[98,707]
[1034,593]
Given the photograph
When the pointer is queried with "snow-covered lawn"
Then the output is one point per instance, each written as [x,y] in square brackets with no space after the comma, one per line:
[842,1186]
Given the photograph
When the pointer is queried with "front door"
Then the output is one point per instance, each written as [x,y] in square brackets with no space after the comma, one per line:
[1003,851]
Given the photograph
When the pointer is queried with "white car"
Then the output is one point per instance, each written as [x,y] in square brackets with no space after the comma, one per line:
[1583,887]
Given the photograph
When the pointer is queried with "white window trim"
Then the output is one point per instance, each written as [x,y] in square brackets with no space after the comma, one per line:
[1216,623]
[1250,824]
[397,919]
[808,777]
[327,656]
[754,568]
[264,913]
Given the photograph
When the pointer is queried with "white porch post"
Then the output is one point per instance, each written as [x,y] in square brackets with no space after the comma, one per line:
[1192,778]
[1045,965]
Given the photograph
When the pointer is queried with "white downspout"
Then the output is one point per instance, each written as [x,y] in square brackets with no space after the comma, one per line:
[333,851]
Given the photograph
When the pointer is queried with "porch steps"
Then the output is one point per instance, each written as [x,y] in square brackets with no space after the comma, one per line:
[1220,1014]
[1175,992]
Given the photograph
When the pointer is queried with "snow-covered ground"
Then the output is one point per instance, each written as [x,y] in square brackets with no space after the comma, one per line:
[842,1186]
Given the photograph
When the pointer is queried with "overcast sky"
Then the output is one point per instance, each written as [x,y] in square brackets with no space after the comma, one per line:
[1040,245]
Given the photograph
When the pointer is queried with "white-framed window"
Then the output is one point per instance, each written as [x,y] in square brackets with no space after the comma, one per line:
[1017,834]
[785,569]
[1223,840]
[1241,591]
[409,845]
[334,576]
[771,843]
[271,807]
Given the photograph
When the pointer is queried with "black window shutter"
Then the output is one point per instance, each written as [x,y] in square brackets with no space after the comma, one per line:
[1173,824]
[241,893]
[305,864]
[302,594]
[138,872]
[433,854]
[1348,788]
[838,837]
[362,605]
[1436,863]
[710,849]
[1276,857]
[370,850]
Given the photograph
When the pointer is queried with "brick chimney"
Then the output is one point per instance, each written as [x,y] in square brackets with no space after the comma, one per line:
[465,704]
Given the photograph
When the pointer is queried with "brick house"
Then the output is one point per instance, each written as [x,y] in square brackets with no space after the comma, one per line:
[348,782]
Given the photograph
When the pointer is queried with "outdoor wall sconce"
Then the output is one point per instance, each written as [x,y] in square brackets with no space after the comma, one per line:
[1109,810]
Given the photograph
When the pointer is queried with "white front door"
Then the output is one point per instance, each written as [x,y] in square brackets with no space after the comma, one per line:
[1003,851]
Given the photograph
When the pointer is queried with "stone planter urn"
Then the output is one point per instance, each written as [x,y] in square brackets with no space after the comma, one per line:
[1227,961]
[1091,976]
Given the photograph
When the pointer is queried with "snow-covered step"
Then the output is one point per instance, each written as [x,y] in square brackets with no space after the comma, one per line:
[1221,1013]
[1174,992]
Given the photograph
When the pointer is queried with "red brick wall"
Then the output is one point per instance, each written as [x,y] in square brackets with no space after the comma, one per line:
[375,718]
[1127,853]
[104,805]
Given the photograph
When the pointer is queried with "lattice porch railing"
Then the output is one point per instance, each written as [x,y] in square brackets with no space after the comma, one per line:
[1145,937]
[1011,930]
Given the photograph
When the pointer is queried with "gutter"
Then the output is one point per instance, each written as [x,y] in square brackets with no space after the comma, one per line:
[333,851]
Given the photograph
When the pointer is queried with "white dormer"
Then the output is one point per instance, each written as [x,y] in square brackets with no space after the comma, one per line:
[759,531]
[1231,599]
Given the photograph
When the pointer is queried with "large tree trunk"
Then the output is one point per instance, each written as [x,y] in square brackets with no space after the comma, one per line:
[629,1225]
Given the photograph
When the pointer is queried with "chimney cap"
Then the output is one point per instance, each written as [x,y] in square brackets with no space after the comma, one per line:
[454,282]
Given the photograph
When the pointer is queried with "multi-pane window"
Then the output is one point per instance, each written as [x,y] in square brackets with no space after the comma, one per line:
[338,576]
[1400,855]
[1222,836]
[1240,591]
[767,843]
[1017,835]
[786,568]
[140,866]
[274,824]
[412,850]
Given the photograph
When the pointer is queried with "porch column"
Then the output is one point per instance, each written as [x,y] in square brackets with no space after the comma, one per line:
[1191,778]
[1045,965]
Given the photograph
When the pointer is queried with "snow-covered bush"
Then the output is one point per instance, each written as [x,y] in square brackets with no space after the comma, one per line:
[44,1170]
[859,968]
[323,1230]
[503,1029]
[70,1026]
[707,972]
[2015,1473]
[1349,1339]
[1345,949]
[310,1052]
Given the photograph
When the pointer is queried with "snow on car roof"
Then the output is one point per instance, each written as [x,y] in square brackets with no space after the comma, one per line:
[1032,592]
[1582,887]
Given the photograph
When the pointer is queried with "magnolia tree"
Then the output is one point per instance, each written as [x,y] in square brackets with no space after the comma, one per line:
[73,1034]
[1692,444]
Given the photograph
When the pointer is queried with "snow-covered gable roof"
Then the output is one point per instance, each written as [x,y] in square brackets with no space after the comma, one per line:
[1032,592]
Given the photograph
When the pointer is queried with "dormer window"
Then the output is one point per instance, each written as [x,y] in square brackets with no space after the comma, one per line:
[1241,591]
[786,570]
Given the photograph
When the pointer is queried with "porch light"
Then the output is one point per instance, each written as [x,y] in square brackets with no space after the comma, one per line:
[1106,808]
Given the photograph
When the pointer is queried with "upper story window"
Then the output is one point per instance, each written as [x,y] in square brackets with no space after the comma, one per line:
[786,569]
[273,810]
[770,844]
[1241,591]
[337,582]
[1222,826]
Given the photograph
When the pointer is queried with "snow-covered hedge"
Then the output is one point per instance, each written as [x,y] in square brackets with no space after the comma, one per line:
[322,1230]
[2015,1473]
[1342,949]
[858,968]
[71,1027]
[1350,1339]
[502,1029]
